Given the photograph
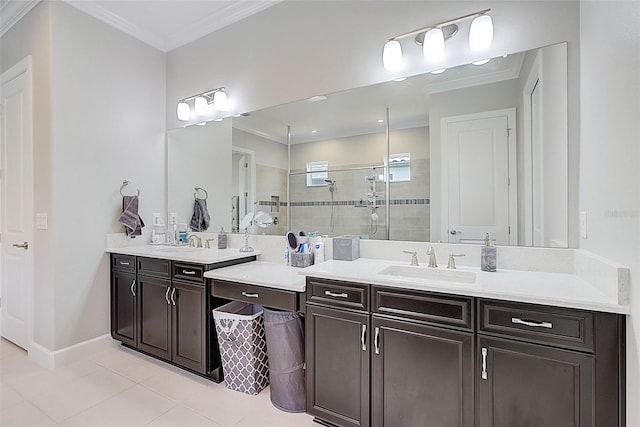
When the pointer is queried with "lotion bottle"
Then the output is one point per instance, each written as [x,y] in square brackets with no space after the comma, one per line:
[222,239]
[488,255]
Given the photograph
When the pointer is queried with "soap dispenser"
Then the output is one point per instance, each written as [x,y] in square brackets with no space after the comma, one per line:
[222,239]
[488,255]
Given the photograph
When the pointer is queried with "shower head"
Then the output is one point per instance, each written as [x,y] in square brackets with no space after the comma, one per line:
[332,184]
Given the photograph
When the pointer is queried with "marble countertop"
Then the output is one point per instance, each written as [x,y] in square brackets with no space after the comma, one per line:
[267,274]
[557,289]
[183,253]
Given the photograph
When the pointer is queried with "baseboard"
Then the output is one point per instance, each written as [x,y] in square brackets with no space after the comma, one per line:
[53,359]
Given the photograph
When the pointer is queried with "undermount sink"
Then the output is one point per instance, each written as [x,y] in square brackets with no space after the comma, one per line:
[440,274]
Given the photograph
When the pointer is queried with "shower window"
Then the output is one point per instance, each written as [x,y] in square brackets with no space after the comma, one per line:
[318,173]
[399,167]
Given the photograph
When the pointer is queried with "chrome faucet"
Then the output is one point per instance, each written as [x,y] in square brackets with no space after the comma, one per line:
[452,262]
[414,257]
[432,257]
[194,241]
[207,243]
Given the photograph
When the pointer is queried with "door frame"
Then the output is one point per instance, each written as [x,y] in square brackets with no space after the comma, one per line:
[23,67]
[510,113]
[533,79]
[251,161]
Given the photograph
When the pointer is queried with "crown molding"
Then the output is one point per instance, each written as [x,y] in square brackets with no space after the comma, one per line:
[12,11]
[223,17]
[118,22]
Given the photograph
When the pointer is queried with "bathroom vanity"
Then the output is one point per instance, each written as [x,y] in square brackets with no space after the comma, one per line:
[161,303]
[387,351]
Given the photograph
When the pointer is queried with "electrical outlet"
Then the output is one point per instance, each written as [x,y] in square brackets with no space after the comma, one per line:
[583,225]
[173,218]
[157,220]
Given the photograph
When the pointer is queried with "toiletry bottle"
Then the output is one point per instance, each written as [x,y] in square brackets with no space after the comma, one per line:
[286,254]
[488,255]
[318,249]
[222,239]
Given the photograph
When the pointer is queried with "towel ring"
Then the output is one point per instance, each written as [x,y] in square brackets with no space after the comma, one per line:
[195,195]
[124,184]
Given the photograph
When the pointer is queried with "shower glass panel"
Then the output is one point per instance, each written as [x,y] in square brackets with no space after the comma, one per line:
[352,208]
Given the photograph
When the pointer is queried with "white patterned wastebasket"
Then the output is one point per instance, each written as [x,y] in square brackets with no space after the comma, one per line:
[243,347]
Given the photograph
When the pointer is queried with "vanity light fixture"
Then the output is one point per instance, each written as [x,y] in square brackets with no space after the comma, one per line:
[203,103]
[432,39]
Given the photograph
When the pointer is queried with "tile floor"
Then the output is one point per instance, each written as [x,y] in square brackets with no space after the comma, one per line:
[120,387]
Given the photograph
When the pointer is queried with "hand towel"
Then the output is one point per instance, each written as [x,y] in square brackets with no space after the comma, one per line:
[200,219]
[130,219]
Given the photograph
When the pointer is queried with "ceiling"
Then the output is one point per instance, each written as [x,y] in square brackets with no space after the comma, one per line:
[163,24]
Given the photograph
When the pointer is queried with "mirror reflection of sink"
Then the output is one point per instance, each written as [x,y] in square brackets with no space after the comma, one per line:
[441,274]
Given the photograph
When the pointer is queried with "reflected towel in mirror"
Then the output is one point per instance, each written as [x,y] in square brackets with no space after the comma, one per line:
[130,219]
[200,219]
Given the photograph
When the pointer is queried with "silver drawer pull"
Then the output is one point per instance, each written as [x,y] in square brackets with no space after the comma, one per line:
[519,321]
[248,295]
[124,263]
[188,272]
[363,338]
[333,294]
[484,364]
[376,340]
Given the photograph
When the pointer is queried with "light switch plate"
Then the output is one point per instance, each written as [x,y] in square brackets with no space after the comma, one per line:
[173,218]
[156,219]
[42,221]
[583,225]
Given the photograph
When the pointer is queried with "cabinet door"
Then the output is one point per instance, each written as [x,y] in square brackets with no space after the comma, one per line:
[123,307]
[421,375]
[338,363]
[154,316]
[522,384]
[188,329]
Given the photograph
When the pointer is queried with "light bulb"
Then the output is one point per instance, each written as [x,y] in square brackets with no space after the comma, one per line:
[392,55]
[433,45]
[481,33]
[183,111]
[201,106]
[220,101]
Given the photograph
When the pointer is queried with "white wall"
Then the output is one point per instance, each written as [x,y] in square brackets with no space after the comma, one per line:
[610,153]
[107,125]
[200,157]
[267,152]
[30,36]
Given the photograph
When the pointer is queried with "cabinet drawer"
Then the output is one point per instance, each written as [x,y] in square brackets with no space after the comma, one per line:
[154,267]
[189,272]
[425,307]
[267,297]
[337,293]
[537,323]
[123,262]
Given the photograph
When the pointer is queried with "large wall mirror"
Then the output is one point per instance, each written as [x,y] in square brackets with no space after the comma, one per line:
[436,157]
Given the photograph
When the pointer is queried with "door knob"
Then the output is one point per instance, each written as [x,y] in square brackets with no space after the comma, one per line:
[454,232]
[24,246]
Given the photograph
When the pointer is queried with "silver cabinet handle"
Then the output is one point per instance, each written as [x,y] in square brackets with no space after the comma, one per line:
[248,295]
[376,340]
[454,232]
[519,321]
[24,246]
[173,296]
[484,364]
[166,295]
[124,263]
[188,272]
[363,337]
[133,291]
[333,294]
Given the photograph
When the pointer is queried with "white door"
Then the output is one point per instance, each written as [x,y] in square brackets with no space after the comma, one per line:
[479,183]
[16,204]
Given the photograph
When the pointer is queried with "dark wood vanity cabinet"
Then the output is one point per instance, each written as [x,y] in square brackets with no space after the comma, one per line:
[541,365]
[163,308]
[394,357]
